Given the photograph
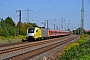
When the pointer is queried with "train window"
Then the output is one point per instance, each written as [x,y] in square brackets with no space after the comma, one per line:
[31,30]
[36,30]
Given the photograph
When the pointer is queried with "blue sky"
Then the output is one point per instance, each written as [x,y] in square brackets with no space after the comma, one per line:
[52,10]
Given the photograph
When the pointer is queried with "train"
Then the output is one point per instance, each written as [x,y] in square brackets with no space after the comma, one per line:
[40,33]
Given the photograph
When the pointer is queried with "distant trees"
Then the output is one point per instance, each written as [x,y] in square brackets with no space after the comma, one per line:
[9,21]
[87,32]
[78,31]
[9,28]
[25,26]
[1,31]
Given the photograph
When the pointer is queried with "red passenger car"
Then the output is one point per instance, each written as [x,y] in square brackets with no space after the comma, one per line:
[52,33]
[57,33]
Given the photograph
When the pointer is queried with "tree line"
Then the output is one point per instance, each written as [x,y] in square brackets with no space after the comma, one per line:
[9,28]
[78,31]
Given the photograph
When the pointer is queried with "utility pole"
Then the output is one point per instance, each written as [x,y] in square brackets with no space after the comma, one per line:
[69,25]
[0,22]
[47,23]
[19,21]
[64,27]
[57,27]
[27,11]
[61,23]
[82,17]
[78,29]
[43,24]
[54,26]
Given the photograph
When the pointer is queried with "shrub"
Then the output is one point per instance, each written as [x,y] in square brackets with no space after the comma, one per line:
[78,51]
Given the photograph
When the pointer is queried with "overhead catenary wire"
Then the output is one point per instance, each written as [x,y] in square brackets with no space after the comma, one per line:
[72,14]
[8,7]
[4,12]
[54,9]
[62,2]
[39,4]
[27,18]
[8,13]
[37,17]
[50,6]
[53,6]
[18,3]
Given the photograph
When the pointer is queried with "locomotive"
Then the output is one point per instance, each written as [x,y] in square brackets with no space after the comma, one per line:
[38,33]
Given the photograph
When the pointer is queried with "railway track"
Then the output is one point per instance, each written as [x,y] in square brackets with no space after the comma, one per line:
[18,43]
[30,50]
[10,44]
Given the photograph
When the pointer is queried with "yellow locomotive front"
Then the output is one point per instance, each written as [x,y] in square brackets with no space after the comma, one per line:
[33,33]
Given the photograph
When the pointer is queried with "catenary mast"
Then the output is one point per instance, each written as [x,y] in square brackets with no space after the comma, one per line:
[82,17]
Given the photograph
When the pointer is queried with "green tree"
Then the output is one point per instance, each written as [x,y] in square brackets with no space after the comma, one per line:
[24,27]
[9,21]
[8,27]
[88,32]
[19,26]
[6,32]
[78,31]
[34,24]
[1,31]
[27,25]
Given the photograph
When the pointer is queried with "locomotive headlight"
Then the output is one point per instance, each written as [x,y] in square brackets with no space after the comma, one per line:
[31,34]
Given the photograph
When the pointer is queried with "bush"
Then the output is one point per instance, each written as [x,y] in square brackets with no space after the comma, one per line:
[1,31]
[78,51]
[8,27]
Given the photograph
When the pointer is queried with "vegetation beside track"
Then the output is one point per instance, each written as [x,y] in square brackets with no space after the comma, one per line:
[11,39]
[77,51]
[10,32]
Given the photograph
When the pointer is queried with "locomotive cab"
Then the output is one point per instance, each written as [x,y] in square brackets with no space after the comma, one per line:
[30,32]
[33,33]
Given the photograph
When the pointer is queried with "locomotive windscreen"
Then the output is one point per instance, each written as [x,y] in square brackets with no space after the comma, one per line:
[31,30]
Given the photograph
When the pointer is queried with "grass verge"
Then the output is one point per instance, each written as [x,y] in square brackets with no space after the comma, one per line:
[77,51]
[11,39]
